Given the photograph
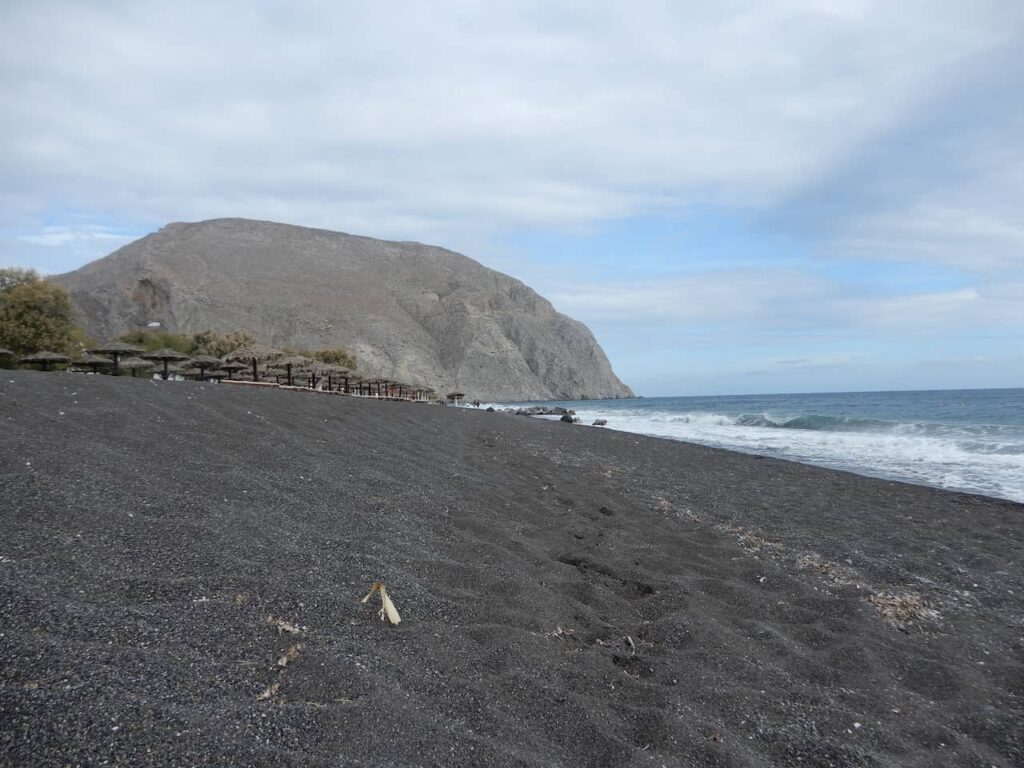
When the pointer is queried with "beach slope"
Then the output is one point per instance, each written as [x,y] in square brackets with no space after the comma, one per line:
[182,565]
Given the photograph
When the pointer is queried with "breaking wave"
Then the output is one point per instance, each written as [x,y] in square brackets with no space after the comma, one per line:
[957,453]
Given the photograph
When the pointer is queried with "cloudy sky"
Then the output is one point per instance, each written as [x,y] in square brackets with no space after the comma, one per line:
[737,197]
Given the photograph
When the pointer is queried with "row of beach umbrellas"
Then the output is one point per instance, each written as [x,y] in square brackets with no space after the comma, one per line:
[260,360]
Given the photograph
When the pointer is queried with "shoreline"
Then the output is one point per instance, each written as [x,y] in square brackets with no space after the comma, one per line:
[567,596]
[918,439]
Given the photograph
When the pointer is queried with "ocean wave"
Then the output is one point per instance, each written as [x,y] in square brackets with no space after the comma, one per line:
[987,459]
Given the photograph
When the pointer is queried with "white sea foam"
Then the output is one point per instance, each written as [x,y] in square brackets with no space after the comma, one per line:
[973,459]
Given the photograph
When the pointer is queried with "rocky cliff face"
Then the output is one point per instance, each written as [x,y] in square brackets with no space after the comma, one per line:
[409,311]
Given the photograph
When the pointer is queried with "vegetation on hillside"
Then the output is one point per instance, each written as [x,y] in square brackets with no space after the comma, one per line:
[220,344]
[36,315]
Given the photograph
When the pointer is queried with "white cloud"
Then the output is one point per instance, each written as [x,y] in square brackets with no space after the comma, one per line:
[409,120]
[782,302]
[61,235]
[456,123]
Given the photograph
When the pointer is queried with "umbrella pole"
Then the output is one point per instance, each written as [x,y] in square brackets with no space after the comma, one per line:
[115,356]
[255,373]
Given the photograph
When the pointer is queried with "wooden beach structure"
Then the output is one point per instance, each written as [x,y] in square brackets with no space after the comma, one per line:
[94,362]
[255,355]
[290,363]
[136,364]
[204,363]
[44,359]
[116,350]
[166,356]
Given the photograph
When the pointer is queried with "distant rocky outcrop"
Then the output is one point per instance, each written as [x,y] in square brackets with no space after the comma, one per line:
[408,311]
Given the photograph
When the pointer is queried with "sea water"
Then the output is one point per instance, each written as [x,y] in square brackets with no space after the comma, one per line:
[966,440]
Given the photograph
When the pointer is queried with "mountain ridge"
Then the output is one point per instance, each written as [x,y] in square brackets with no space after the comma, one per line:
[408,310]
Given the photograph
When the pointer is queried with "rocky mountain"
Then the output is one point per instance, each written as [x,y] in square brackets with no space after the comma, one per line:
[409,311]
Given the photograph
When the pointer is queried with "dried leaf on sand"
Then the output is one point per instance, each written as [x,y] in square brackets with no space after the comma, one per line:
[903,608]
[290,655]
[283,626]
[388,608]
[267,692]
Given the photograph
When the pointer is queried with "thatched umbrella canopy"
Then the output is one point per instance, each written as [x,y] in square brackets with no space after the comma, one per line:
[330,370]
[6,352]
[372,386]
[345,375]
[191,372]
[233,365]
[116,350]
[218,374]
[166,356]
[295,361]
[136,364]
[202,362]
[94,361]
[45,359]
[253,355]
[454,396]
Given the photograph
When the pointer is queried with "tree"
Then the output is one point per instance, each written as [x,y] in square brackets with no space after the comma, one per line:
[12,277]
[154,340]
[341,357]
[36,315]
[220,344]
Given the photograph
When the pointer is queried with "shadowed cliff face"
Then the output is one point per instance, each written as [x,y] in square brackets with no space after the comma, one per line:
[409,311]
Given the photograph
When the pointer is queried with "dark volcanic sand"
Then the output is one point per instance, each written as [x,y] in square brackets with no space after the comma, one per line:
[149,528]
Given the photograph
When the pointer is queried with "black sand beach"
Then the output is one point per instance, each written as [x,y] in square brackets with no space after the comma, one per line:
[570,596]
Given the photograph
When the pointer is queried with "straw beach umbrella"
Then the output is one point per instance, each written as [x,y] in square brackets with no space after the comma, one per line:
[454,397]
[295,361]
[253,355]
[116,350]
[166,356]
[202,362]
[94,361]
[232,366]
[6,352]
[45,359]
[136,364]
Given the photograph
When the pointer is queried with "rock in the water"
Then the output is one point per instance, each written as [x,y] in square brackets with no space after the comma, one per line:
[567,419]
[600,422]
[490,409]
[408,311]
